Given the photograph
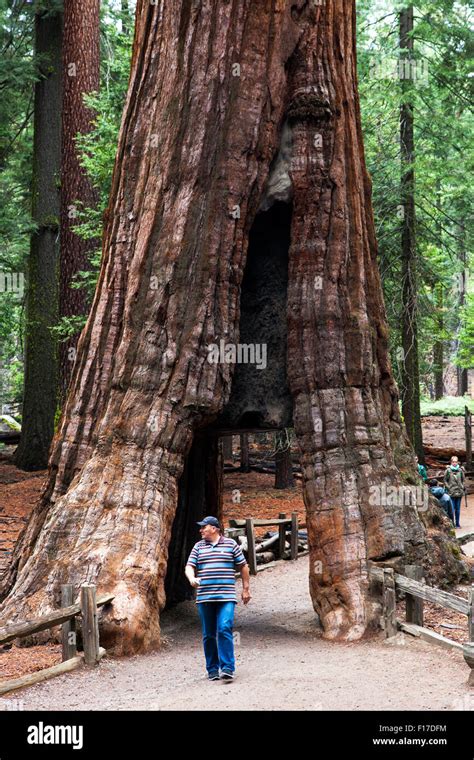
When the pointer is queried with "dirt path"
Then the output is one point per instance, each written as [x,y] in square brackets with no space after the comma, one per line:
[282,663]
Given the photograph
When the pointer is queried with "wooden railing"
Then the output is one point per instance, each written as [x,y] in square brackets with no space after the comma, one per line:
[66,617]
[247,527]
[416,593]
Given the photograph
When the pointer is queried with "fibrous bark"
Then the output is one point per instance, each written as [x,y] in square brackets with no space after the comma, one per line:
[213,88]
[81,76]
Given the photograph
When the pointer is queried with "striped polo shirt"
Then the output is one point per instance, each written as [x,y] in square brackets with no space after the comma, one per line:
[215,568]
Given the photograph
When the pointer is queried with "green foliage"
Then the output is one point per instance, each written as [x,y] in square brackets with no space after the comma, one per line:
[440,92]
[98,148]
[18,73]
[19,70]
[452,406]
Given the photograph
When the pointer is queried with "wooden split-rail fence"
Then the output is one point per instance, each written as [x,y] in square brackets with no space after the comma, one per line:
[247,527]
[65,616]
[417,592]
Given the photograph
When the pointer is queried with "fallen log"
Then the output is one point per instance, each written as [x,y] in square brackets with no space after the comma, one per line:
[265,557]
[444,453]
[10,436]
[264,545]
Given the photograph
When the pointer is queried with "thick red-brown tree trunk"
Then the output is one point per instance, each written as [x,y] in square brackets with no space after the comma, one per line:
[81,76]
[229,105]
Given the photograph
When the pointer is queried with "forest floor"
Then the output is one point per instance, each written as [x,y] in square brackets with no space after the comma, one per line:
[279,616]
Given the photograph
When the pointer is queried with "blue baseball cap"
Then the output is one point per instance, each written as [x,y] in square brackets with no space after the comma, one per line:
[209,521]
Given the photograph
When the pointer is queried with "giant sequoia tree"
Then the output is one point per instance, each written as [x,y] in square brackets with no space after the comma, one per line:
[240,209]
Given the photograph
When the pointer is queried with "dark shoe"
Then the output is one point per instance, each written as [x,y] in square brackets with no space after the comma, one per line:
[213,676]
[227,676]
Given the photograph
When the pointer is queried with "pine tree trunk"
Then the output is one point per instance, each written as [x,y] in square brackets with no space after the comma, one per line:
[283,462]
[244,452]
[227,448]
[438,288]
[438,348]
[41,366]
[81,75]
[462,375]
[410,375]
[212,90]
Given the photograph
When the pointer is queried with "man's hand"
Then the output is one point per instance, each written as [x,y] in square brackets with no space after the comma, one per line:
[189,572]
[245,575]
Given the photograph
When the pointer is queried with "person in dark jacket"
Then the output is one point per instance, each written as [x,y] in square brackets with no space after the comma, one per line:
[443,498]
[454,482]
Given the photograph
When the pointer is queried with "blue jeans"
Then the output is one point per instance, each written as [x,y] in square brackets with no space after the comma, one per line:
[457,508]
[217,619]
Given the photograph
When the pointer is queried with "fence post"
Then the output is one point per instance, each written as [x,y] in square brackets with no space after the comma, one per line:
[68,629]
[294,535]
[414,605]
[468,652]
[252,556]
[281,536]
[90,624]
[389,601]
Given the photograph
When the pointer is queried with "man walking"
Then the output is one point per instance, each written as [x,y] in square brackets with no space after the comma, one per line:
[454,482]
[211,569]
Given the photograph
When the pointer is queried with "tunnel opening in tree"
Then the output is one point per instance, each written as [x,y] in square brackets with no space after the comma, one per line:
[259,399]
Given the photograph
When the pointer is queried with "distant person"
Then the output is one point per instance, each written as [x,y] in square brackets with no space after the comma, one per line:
[211,569]
[443,498]
[422,471]
[454,482]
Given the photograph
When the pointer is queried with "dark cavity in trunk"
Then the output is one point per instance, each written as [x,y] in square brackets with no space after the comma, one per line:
[260,398]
